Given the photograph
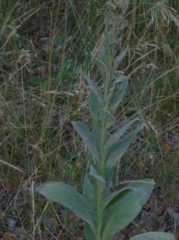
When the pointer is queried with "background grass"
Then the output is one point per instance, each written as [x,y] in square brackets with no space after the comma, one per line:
[44,45]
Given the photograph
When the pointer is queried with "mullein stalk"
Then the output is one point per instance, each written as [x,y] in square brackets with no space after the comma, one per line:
[100,196]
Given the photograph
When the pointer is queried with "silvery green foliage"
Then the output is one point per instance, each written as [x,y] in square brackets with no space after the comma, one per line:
[118,208]
[154,236]
[104,212]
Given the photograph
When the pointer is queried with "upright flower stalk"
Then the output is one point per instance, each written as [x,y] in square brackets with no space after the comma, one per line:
[104,212]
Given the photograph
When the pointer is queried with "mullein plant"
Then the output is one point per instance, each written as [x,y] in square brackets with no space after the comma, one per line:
[103,211]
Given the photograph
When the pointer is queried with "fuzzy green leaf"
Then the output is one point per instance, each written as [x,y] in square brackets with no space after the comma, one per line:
[115,152]
[96,136]
[154,236]
[115,197]
[126,209]
[118,90]
[102,68]
[89,191]
[94,173]
[87,137]
[94,88]
[118,134]
[104,55]
[67,196]
[98,113]
[95,101]
[95,107]
[110,120]
[89,235]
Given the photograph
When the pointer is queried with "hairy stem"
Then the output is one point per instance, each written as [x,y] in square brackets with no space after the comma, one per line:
[102,156]
[102,170]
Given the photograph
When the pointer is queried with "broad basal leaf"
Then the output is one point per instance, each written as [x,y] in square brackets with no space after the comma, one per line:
[67,196]
[127,208]
[87,137]
[154,236]
[118,91]
[115,152]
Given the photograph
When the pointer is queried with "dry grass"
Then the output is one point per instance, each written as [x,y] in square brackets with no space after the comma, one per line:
[44,46]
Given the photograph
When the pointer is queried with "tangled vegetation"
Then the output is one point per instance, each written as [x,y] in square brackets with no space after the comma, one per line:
[45,45]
